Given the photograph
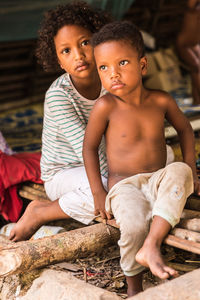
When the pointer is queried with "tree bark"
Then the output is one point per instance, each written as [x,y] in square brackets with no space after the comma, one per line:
[4,241]
[66,246]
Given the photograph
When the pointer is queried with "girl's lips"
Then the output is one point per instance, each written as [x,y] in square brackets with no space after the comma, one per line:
[82,67]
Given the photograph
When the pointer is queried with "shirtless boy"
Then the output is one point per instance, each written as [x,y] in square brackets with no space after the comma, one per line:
[141,188]
[188,45]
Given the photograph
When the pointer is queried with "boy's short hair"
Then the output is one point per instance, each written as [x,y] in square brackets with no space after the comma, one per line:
[120,30]
[75,13]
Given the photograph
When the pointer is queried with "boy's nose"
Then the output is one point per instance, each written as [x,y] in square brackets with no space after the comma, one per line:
[114,74]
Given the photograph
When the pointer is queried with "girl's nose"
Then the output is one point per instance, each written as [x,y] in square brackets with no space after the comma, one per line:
[78,54]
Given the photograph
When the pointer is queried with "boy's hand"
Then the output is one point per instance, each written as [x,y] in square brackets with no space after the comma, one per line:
[99,205]
[197,187]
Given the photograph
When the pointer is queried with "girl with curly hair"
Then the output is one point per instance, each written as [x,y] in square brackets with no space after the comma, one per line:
[64,43]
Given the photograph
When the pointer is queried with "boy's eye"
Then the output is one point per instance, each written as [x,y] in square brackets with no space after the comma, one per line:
[85,43]
[103,68]
[66,50]
[123,62]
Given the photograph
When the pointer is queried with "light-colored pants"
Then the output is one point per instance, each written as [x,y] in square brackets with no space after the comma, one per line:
[135,200]
[72,188]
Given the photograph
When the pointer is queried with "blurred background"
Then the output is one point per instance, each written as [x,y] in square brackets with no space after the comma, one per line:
[23,83]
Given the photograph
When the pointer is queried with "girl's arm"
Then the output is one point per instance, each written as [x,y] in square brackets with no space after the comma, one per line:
[98,121]
[186,136]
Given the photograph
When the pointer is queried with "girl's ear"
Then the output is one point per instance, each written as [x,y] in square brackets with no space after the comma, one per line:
[60,64]
[143,64]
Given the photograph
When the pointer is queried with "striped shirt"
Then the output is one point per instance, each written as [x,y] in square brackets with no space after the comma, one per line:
[66,114]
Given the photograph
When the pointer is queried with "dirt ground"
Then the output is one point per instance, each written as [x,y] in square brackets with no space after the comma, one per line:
[103,270]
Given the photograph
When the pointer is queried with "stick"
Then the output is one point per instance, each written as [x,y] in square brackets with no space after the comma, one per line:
[182,244]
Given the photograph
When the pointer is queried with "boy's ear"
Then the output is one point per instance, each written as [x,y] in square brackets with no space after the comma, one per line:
[143,64]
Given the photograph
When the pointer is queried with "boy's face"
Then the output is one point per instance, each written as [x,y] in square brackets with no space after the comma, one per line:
[119,67]
[74,52]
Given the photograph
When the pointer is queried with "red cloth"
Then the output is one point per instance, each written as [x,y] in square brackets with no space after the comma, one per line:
[15,169]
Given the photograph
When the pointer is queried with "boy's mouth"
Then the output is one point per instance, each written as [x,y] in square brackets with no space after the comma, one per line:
[117,85]
[82,66]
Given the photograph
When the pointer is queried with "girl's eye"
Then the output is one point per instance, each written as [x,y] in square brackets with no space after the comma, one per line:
[67,50]
[123,62]
[103,68]
[85,43]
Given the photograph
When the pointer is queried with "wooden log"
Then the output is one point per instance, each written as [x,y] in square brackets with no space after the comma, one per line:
[186,234]
[193,203]
[32,197]
[4,241]
[32,254]
[182,267]
[190,214]
[185,287]
[34,191]
[190,224]
[37,186]
[177,242]
[176,238]
[111,222]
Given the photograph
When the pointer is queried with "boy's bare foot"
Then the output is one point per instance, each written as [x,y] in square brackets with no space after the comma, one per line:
[149,256]
[36,214]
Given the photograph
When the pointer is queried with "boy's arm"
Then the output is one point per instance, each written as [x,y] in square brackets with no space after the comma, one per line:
[93,135]
[186,136]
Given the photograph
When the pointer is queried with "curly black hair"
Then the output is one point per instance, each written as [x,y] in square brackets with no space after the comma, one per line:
[75,13]
[120,30]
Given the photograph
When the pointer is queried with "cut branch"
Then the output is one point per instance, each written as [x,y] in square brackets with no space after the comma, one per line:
[65,246]
[182,244]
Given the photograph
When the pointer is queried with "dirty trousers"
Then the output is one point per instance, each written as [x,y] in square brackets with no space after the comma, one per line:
[135,200]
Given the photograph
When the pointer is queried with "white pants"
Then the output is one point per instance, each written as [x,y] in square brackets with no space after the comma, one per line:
[72,188]
[135,200]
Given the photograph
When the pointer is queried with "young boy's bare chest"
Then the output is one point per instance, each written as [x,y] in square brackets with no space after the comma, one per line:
[136,122]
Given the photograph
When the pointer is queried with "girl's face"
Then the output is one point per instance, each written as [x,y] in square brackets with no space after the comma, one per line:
[74,52]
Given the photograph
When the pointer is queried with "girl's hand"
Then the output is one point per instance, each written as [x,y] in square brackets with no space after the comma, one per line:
[99,206]
[197,187]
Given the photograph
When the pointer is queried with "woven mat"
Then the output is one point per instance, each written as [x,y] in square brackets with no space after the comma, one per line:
[22,127]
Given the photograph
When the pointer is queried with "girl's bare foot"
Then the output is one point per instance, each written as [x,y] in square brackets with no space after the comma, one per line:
[28,223]
[149,256]
[36,214]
